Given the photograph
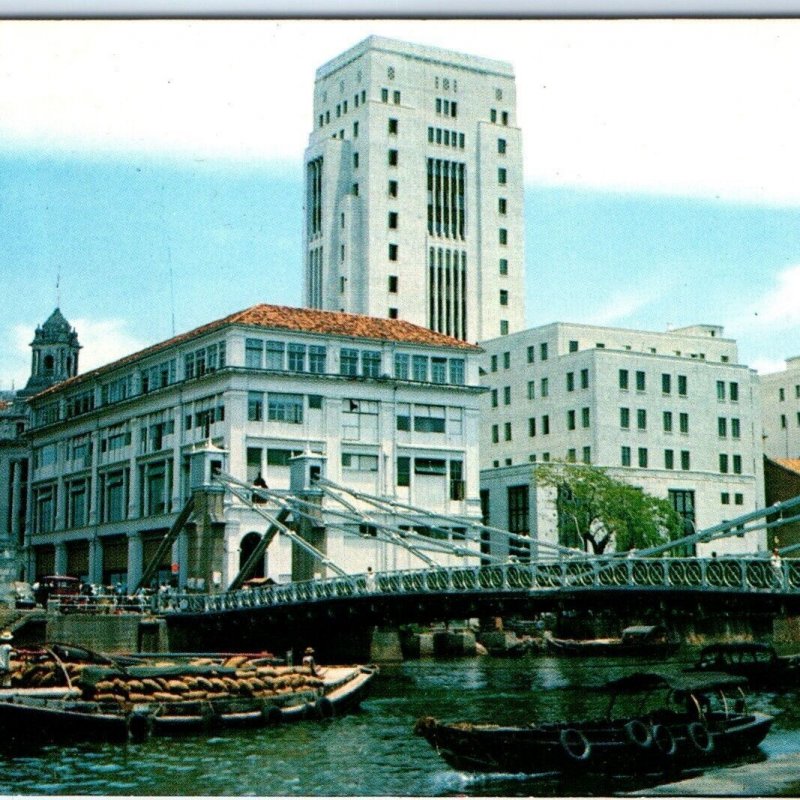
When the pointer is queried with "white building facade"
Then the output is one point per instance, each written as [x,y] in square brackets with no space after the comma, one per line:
[414,190]
[673,413]
[391,408]
[780,403]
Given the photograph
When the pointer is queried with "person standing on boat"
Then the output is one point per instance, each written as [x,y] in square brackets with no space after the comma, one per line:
[6,637]
[308,660]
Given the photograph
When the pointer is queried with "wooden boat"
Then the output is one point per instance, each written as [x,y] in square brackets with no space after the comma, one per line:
[757,662]
[696,725]
[637,640]
[117,701]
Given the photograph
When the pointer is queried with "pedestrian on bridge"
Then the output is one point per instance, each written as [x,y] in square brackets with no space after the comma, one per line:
[777,566]
[370,580]
[6,637]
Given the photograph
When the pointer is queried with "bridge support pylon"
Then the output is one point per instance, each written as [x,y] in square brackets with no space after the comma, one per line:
[385,645]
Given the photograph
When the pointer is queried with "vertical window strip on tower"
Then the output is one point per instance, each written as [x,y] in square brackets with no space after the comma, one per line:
[446,190]
[315,197]
[447,285]
[315,277]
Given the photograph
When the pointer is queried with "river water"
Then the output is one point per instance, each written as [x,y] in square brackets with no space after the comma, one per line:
[372,752]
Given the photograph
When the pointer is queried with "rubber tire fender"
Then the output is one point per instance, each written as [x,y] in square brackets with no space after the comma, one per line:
[272,715]
[140,726]
[639,734]
[575,744]
[699,736]
[663,740]
[324,708]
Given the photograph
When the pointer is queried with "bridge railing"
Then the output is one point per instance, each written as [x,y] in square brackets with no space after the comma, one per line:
[727,574]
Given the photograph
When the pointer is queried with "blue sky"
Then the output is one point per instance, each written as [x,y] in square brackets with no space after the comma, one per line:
[659,190]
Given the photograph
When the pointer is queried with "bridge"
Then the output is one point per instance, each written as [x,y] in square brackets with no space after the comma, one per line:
[554,578]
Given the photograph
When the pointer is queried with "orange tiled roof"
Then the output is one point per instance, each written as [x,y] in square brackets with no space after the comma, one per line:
[307,320]
[792,464]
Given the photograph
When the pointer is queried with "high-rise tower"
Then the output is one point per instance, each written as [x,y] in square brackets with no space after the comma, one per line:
[414,190]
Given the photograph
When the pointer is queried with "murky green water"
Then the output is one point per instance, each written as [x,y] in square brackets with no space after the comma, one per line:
[373,752]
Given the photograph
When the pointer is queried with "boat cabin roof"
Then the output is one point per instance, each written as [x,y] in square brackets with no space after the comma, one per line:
[686,682]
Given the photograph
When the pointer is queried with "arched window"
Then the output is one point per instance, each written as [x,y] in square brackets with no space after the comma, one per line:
[48,364]
[246,548]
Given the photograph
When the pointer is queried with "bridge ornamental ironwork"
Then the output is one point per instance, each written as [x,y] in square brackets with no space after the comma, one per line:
[727,575]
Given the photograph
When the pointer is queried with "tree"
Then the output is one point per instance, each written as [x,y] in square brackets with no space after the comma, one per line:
[598,510]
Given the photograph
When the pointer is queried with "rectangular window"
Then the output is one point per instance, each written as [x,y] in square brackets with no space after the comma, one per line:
[683,421]
[392,222]
[274,352]
[280,458]
[546,424]
[570,381]
[355,160]
[722,427]
[493,395]
[734,392]
[285,407]
[587,455]
[403,471]
[255,406]
[495,434]
[393,252]
[503,297]
[507,395]
[584,379]
[725,498]
[738,499]
[573,346]
[401,366]
[545,388]
[531,426]
[420,368]
[396,97]
[359,462]
[392,188]
[429,419]
[316,359]
[507,360]
[543,351]
[371,363]
[501,146]
[735,427]
[348,361]
[720,390]
[682,388]
[253,353]
[685,460]
[507,431]
[296,357]
[504,266]
[315,401]
[438,370]
[393,284]
[669,459]
[531,354]
[531,390]
[625,418]
[737,465]
[585,417]
[393,125]
[623,379]
[384,95]
[723,462]
[502,236]
[502,176]
[643,457]
[640,381]
[571,420]
[493,363]
[625,456]
[641,419]
[667,422]
[502,205]
[393,157]
[571,455]
[666,383]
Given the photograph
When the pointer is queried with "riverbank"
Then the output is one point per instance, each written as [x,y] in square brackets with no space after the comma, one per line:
[778,777]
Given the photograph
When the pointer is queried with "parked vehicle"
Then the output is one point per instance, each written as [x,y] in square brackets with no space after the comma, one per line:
[696,724]
[56,586]
[758,662]
[637,640]
[23,595]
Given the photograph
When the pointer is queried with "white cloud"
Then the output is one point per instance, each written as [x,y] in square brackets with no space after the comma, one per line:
[102,340]
[708,107]
[777,309]
[766,366]
[623,304]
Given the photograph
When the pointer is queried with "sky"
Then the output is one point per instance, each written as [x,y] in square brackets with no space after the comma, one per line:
[151,172]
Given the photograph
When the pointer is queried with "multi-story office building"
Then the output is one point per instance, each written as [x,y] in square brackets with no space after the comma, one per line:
[780,403]
[391,409]
[414,190]
[673,413]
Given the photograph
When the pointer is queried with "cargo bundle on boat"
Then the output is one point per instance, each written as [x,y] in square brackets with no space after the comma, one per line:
[116,700]
[698,723]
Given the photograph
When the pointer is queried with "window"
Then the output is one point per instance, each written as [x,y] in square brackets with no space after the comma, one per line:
[393,125]
[685,460]
[585,417]
[505,117]
[495,434]
[781,394]
[419,366]
[669,459]
[643,457]
[316,359]
[507,360]
[544,391]
[625,456]
[396,97]
[783,421]
[504,266]
[355,160]
[457,367]
[682,388]
[255,406]
[348,361]
[725,498]
[502,176]
[570,381]
[640,381]
[384,95]
[285,407]
[315,401]
[723,462]
[666,383]
[502,236]
[355,130]
[507,431]
[501,146]
[429,419]
[393,220]
[586,455]
[623,379]
[493,115]
[641,419]
[493,363]
[359,462]
[253,353]
[543,351]
[494,398]
[531,390]
[571,455]
[571,420]
[403,471]
[531,354]
[722,427]
[438,370]
[625,418]
[502,205]
[584,379]
[573,346]
[371,363]
[504,327]
[546,424]
[683,422]
[531,426]
[392,252]
[737,465]
[738,499]
[274,352]
[507,395]
[392,188]
[735,428]
[401,362]
[280,458]
[393,158]
[720,390]
[734,392]
[519,519]
[296,354]
[667,422]
[503,297]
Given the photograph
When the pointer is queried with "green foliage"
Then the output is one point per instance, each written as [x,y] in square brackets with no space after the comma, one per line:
[597,510]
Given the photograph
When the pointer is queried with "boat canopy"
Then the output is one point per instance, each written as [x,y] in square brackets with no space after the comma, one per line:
[694,682]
